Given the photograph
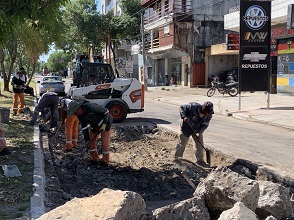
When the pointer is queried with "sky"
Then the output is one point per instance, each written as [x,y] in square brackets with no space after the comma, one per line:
[98,5]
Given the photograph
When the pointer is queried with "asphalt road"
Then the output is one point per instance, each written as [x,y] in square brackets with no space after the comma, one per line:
[262,144]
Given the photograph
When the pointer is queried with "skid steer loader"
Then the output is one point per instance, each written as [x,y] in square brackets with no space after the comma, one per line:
[96,82]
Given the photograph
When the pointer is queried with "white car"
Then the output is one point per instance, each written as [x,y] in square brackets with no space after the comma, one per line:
[52,84]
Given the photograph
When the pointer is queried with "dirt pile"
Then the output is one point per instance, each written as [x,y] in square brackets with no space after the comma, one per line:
[141,161]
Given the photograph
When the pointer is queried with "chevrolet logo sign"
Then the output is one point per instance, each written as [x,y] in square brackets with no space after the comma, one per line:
[254,57]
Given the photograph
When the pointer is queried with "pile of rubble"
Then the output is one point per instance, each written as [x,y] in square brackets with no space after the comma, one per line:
[223,194]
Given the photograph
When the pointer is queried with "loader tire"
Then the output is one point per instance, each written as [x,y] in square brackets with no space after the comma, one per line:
[118,111]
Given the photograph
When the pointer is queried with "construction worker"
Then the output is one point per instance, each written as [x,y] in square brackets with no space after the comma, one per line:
[195,119]
[18,85]
[99,120]
[47,100]
[71,125]
[3,148]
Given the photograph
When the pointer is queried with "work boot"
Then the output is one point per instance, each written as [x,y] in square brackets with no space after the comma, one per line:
[74,144]
[68,147]
[105,160]
[102,163]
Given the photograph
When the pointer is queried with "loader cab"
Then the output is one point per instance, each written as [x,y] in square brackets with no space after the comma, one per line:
[91,73]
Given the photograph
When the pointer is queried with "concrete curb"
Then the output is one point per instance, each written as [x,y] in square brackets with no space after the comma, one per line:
[37,200]
[39,180]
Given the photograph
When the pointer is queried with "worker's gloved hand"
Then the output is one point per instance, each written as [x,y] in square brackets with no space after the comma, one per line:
[186,119]
[197,136]
[102,127]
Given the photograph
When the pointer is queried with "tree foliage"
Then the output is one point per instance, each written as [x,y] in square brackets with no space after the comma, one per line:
[28,29]
[58,61]
[83,26]
[38,13]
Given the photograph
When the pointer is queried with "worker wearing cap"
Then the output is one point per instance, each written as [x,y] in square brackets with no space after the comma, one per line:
[71,125]
[47,100]
[99,120]
[195,120]
[18,85]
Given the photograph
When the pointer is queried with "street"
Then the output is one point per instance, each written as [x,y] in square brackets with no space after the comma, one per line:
[260,143]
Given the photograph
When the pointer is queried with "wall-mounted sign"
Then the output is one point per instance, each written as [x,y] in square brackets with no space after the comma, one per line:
[232,41]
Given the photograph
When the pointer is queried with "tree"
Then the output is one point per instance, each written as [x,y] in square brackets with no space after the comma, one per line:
[37,13]
[83,26]
[29,30]
[58,61]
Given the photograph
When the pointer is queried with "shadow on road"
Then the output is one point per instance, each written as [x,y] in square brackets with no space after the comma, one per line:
[144,120]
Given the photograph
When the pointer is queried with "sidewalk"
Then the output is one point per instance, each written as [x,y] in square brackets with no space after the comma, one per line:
[251,106]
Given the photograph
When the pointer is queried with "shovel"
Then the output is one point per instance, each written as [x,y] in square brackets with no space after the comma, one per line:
[207,152]
[27,111]
[74,163]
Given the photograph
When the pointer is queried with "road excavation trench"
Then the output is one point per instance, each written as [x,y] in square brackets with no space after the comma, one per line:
[141,161]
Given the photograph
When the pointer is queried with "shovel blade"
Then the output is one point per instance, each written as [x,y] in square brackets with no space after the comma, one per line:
[27,111]
[208,156]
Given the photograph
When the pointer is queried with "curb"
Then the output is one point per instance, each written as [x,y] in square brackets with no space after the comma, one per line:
[37,200]
[39,180]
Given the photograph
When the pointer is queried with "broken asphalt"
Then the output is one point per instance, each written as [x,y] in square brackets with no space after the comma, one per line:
[272,109]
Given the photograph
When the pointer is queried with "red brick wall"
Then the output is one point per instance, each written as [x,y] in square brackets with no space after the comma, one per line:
[165,40]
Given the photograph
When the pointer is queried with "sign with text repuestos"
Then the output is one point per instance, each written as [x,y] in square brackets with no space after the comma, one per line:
[255,41]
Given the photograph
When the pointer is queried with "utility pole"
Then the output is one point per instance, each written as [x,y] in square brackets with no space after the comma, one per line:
[143,51]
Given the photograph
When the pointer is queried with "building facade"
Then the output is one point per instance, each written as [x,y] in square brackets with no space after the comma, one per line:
[180,34]
[282,47]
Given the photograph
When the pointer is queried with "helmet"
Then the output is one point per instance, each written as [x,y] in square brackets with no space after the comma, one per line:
[208,107]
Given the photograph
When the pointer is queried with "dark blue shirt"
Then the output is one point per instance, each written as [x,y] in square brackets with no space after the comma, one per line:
[192,111]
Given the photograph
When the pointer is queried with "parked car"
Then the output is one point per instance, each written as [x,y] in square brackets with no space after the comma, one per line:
[53,84]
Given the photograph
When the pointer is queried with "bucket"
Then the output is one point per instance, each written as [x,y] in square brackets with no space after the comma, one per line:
[4,115]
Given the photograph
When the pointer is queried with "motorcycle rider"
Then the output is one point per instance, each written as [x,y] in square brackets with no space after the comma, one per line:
[195,120]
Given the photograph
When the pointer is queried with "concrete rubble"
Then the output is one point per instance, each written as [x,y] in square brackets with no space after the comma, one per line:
[223,194]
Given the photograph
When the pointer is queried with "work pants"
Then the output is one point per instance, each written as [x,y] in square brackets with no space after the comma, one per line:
[71,131]
[16,97]
[183,140]
[105,142]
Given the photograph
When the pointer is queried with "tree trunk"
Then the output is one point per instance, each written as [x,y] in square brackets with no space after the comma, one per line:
[114,57]
[5,76]
[13,55]
[31,76]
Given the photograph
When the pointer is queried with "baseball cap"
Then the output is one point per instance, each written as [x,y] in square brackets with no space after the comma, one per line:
[208,107]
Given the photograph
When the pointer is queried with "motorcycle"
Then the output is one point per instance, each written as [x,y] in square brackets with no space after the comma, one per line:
[230,88]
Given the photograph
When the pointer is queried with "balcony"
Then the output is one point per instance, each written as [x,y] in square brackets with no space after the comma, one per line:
[156,15]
